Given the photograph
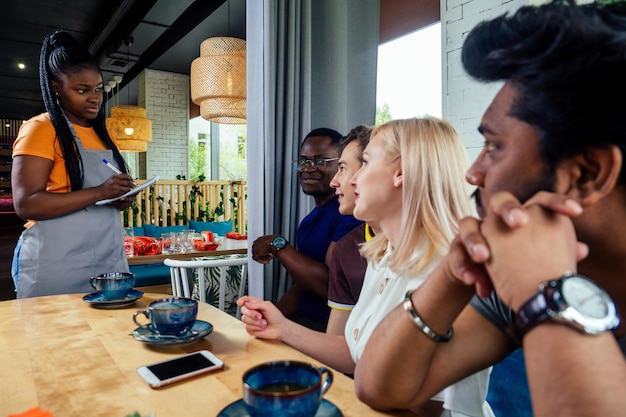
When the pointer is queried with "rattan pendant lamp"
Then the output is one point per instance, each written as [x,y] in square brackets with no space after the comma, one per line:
[129,124]
[130,127]
[218,79]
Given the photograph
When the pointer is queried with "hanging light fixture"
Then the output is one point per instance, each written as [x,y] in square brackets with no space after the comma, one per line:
[129,124]
[218,80]
[130,127]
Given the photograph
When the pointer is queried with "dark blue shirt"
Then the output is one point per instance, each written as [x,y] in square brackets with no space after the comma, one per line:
[316,231]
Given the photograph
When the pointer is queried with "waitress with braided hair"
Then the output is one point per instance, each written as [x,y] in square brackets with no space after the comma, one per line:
[58,175]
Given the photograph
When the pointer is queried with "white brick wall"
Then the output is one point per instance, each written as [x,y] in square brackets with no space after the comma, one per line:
[465,100]
[165,96]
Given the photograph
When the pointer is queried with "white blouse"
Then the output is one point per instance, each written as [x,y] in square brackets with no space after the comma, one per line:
[382,291]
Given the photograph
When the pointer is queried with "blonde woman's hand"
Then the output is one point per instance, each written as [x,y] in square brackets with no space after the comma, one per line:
[262,318]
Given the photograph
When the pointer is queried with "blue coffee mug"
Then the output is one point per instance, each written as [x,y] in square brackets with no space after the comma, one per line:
[113,285]
[285,389]
[169,316]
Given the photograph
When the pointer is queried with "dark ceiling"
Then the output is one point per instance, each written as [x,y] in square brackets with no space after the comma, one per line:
[165,35]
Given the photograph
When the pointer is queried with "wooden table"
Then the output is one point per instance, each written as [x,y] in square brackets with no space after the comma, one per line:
[74,360]
[226,247]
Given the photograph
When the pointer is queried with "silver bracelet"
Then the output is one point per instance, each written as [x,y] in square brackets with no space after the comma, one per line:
[408,306]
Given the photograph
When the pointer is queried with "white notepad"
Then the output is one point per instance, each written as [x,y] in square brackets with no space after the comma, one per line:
[131,193]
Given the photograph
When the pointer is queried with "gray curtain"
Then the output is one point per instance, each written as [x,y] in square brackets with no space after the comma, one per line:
[310,64]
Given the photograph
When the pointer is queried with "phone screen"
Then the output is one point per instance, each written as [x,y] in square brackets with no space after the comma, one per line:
[180,366]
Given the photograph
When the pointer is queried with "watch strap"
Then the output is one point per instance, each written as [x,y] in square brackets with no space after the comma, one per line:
[534,311]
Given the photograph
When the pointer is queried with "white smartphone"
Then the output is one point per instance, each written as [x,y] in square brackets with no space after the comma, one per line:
[182,367]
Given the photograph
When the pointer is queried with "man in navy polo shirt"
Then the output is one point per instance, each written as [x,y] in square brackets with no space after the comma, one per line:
[305,301]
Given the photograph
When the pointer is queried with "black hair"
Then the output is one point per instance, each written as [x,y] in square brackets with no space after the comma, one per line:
[324,131]
[360,133]
[565,61]
[62,54]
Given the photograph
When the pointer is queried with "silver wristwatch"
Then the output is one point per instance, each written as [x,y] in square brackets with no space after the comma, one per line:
[573,300]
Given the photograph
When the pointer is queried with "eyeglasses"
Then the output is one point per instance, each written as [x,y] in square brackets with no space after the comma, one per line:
[316,163]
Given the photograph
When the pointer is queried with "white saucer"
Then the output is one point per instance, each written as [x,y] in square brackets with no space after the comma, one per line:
[97,299]
[199,330]
[238,409]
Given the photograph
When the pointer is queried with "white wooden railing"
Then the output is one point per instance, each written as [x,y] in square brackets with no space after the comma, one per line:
[175,202]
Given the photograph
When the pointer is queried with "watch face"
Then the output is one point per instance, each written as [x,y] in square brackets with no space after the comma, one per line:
[586,297]
[279,242]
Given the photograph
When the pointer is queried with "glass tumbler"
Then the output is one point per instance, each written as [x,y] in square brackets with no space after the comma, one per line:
[166,243]
[128,234]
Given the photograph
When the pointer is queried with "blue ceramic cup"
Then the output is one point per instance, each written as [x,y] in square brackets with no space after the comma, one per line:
[285,389]
[113,285]
[173,316]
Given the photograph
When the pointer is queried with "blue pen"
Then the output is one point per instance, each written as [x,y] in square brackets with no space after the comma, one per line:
[110,165]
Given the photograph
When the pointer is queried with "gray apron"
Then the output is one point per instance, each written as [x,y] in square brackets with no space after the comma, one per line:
[58,256]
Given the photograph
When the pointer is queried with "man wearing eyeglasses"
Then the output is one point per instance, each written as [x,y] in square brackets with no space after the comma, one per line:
[307,263]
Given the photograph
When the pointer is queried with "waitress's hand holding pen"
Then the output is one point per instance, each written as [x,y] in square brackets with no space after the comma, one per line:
[114,168]
[116,185]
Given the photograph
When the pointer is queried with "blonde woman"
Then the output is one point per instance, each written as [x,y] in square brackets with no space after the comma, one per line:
[412,184]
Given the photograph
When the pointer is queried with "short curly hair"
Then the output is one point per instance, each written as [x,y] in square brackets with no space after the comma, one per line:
[566,61]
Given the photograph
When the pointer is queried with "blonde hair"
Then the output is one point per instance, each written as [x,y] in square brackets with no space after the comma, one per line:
[435,195]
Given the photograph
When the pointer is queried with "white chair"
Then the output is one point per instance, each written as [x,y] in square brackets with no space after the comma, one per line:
[179,273]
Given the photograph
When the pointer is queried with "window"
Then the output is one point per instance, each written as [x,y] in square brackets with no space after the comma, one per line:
[217,151]
[409,74]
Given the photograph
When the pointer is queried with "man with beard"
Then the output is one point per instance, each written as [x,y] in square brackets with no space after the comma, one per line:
[307,263]
[551,172]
